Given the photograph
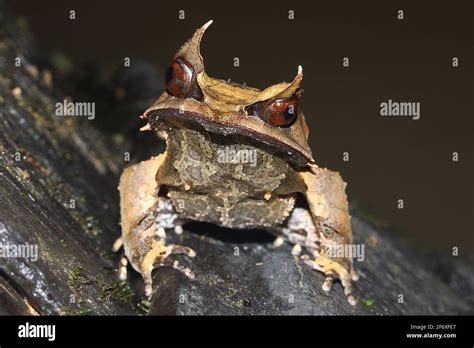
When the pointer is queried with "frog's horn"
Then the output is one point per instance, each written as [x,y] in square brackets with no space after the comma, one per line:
[281,90]
[190,51]
[292,87]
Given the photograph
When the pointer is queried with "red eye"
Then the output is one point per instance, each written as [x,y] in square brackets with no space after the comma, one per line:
[281,112]
[179,79]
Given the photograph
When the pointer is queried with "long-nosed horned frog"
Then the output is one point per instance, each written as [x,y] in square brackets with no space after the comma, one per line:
[237,157]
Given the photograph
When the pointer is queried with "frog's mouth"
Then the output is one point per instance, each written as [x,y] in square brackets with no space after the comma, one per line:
[191,114]
[173,117]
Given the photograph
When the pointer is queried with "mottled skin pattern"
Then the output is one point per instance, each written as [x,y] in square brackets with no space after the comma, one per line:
[228,194]
[196,180]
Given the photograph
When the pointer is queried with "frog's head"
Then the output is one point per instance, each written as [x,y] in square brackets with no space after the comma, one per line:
[271,117]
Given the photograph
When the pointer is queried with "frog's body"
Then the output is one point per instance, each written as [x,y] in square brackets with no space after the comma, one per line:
[227,180]
[236,157]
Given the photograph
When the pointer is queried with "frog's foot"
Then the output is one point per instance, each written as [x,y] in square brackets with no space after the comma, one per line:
[148,251]
[158,256]
[333,269]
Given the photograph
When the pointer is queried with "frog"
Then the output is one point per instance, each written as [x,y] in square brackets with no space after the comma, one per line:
[237,157]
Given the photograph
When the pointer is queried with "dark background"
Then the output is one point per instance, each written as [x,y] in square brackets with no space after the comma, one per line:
[404,60]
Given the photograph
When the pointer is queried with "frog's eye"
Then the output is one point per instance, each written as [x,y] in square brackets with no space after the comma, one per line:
[281,112]
[179,78]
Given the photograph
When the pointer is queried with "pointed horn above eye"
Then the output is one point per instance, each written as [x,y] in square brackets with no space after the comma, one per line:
[283,90]
[291,89]
[190,51]
[205,26]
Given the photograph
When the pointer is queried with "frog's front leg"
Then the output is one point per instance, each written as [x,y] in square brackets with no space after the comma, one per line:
[327,202]
[144,217]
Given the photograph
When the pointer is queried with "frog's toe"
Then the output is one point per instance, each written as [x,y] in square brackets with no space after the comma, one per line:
[351,299]
[123,268]
[278,242]
[328,282]
[354,275]
[179,249]
[346,283]
[184,270]
[117,244]
[178,229]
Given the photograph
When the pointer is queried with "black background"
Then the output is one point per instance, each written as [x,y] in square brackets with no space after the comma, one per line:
[135,331]
[403,60]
